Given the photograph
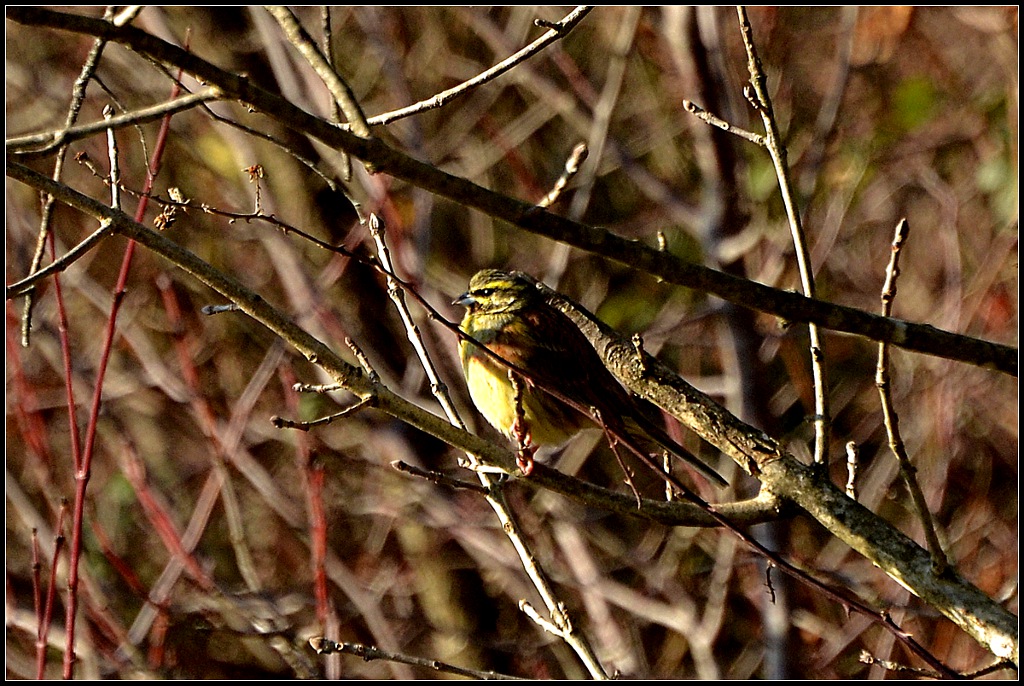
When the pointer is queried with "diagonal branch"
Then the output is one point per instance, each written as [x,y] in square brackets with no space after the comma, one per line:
[48,141]
[773,142]
[556,32]
[786,305]
[340,90]
[897,555]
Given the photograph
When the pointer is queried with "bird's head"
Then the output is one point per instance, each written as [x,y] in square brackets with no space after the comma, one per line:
[493,291]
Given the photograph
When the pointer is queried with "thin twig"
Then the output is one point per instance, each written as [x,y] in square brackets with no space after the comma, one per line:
[889,415]
[325,646]
[288,147]
[869,659]
[42,629]
[83,465]
[572,166]
[900,557]
[773,142]
[851,469]
[282,423]
[709,118]
[785,304]
[312,469]
[25,146]
[397,295]
[82,471]
[327,49]
[316,388]
[74,109]
[439,478]
[556,32]
[328,52]
[994,667]
[46,611]
[495,493]
[340,91]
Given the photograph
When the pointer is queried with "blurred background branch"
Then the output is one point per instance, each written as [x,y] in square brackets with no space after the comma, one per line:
[885,112]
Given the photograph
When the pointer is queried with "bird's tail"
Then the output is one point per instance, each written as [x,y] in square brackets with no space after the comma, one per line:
[653,439]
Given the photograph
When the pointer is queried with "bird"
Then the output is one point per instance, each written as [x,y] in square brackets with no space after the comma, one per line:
[549,383]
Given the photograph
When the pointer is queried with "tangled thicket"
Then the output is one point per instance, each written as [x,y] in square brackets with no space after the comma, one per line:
[248,539]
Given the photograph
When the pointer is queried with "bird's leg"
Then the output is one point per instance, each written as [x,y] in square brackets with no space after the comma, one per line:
[520,432]
[524,458]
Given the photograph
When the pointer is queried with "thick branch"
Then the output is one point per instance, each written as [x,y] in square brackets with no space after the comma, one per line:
[783,476]
[358,382]
[788,306]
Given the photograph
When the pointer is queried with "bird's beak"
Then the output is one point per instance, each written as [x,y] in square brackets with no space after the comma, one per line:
[466,300]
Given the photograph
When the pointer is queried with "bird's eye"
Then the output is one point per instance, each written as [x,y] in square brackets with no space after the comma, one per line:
[485,292]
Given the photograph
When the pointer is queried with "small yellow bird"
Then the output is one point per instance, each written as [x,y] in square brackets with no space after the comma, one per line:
[507,313]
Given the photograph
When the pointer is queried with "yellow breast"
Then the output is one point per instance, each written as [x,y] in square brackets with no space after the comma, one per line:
[548,421]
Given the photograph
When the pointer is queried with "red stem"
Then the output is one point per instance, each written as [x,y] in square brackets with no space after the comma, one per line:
[162,521]
[51,592]
[65,352]
[83,466]
[318,531]
[119,564]
[37,603]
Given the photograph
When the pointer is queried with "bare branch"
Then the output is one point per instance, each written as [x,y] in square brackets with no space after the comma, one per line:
[555,32]
[789,306]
